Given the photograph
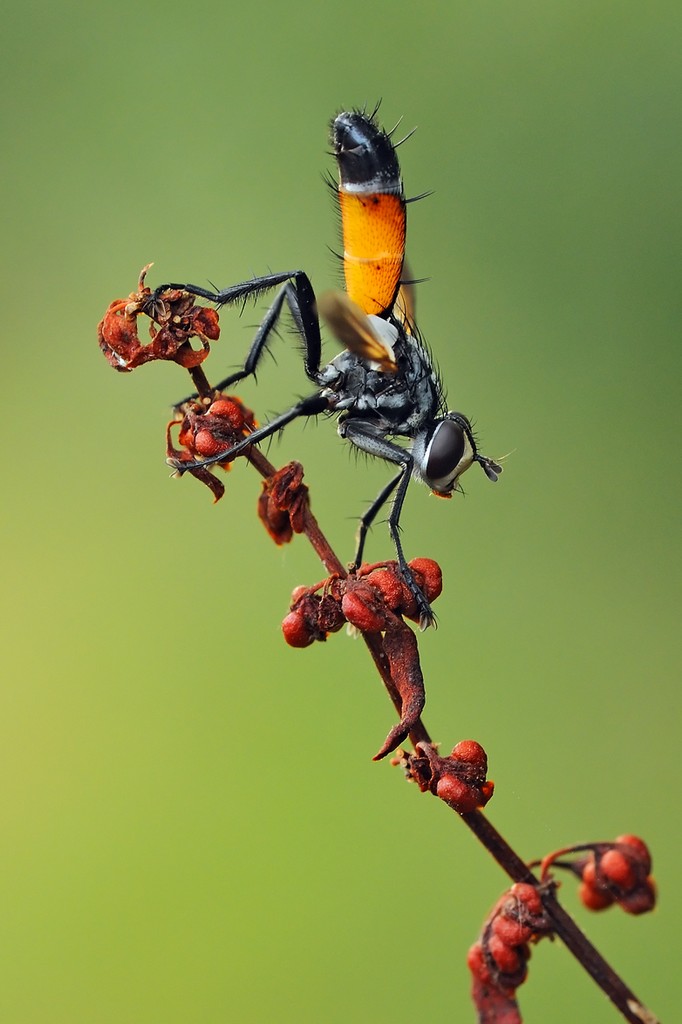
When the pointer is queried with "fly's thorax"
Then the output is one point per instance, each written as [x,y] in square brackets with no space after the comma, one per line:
[443,452]
[352,383]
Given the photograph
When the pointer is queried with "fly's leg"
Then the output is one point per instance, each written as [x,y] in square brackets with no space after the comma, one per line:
[426,616]
[296,291]
[311,406]
[252,288]
[370,515]
[300,298]
[360,434]
[259,344]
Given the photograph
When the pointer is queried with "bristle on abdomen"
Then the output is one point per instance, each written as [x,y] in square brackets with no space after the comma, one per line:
[372,211]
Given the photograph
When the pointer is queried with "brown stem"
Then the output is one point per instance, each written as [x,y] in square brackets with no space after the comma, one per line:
[200,381]
[312,530]
[510,862]
[565,927]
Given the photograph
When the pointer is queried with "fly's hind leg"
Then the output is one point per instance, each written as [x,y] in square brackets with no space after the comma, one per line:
[370,515]
[300,298]
[296,291]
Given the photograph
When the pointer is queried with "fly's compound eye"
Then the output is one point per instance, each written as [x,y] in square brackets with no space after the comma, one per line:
[449,454]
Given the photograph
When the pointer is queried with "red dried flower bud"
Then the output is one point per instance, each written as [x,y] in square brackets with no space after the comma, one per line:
[313,616]
[487,790]
[528,904]
[118,337]
[398,597]
[638,851]
[594,899]
[459,795]
[330,617]
[471,752]
[498,961]
[476,962]
[509,959]
[233,415]
[616,870]
[185,433]
[640,900]
[390,585]
[206,322]
[363,608]
[283,505]
[459,780]
[589,872]
[204,433]
[297,631]
[428,576]
[275,520]
[513,932]
[205,443]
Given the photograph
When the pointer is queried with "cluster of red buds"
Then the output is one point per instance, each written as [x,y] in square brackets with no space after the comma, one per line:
[206,427]
[460,779]
[373,600]
[617,872]
[174,320]
[209,422]
[498,961]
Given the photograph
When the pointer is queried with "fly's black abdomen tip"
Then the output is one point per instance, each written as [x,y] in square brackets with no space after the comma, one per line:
[365,154]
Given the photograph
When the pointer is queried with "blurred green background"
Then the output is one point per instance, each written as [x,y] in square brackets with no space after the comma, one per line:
[193,827]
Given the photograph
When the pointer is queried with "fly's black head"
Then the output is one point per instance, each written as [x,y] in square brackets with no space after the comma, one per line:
[449,451]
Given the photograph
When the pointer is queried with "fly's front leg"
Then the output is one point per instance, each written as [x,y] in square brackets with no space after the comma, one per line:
[370,515]
[311,406]
[362,436]
[426,616]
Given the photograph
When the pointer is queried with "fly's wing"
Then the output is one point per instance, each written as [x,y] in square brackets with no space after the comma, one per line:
[353,328]
[404,306]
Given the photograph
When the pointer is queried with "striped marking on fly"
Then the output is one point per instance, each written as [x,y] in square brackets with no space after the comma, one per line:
[373,216]
[373,248]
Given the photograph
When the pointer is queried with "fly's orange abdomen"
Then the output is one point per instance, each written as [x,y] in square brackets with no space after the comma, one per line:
[372,211]
[373,247]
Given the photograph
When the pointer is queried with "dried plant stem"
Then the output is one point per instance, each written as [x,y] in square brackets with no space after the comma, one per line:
[563,924]
[200,381]
[218,427]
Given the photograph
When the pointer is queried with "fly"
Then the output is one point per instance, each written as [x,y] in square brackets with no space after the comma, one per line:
[383,385]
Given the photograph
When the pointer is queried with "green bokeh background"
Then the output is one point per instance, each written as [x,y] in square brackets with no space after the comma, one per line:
[193,827]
